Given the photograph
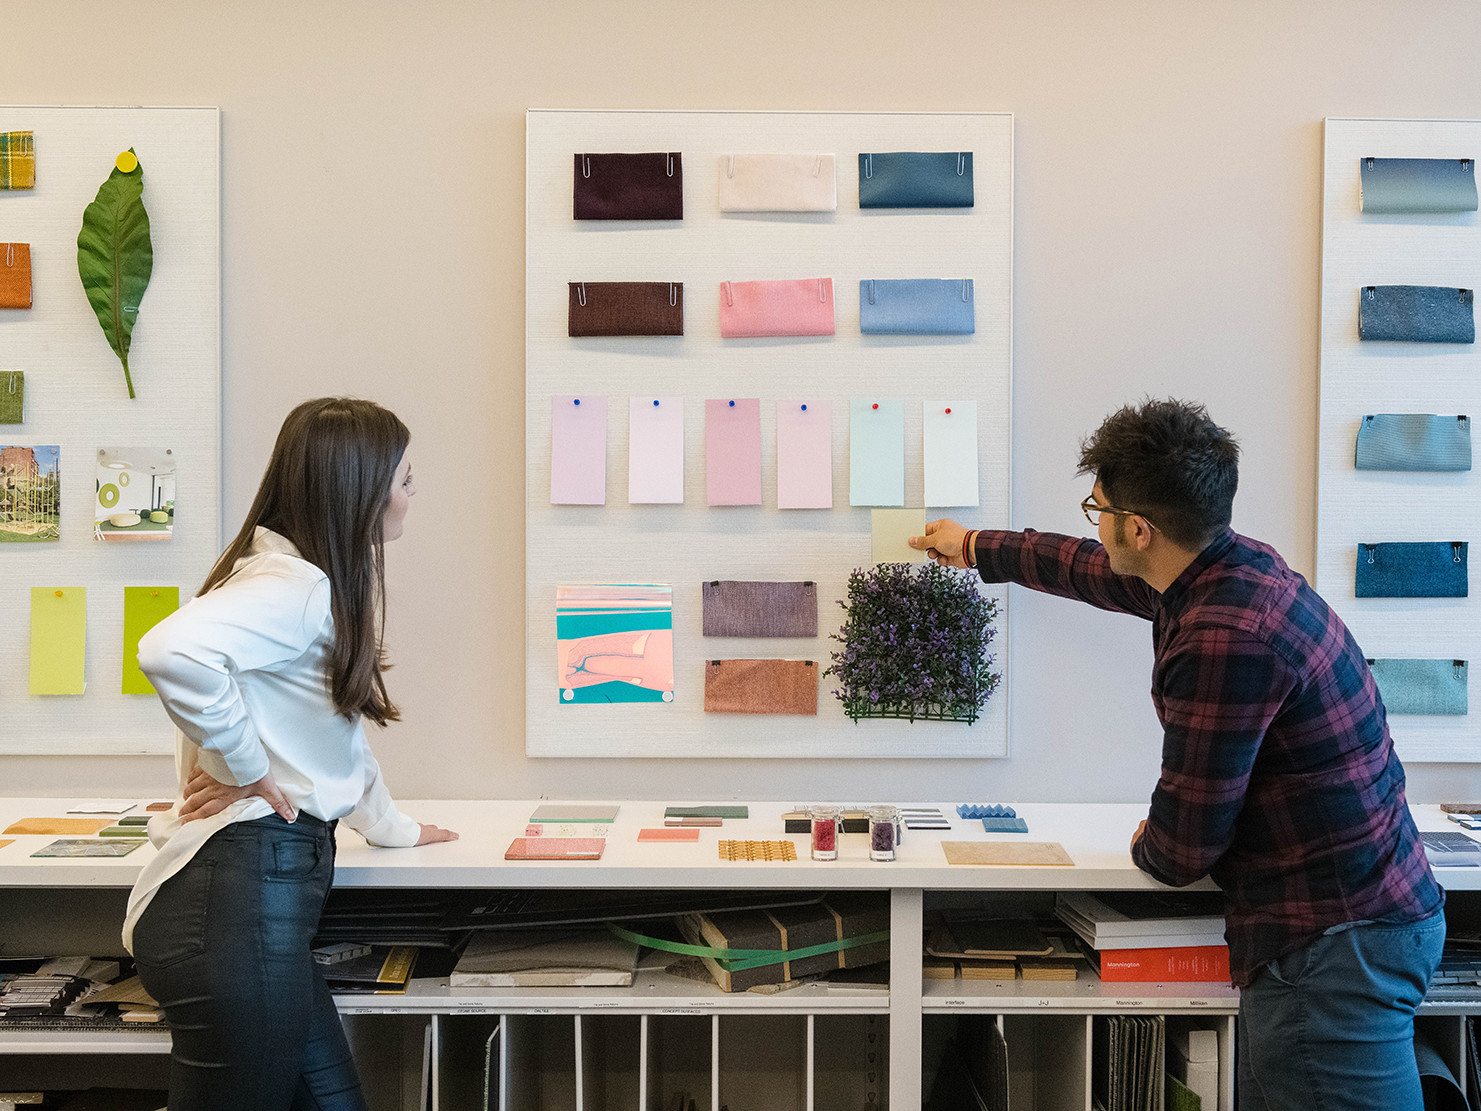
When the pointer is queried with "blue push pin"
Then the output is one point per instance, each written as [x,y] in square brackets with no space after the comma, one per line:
[655,401]
[732,405]
[804,408]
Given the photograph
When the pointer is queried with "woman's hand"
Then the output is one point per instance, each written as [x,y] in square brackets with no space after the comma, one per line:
[432,834]
[205,795]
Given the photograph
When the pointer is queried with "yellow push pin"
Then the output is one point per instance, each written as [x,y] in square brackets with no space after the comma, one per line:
[126,162]
[59,593]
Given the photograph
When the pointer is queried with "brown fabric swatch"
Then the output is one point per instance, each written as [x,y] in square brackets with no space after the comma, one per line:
[15,275]
[734,608]
[625,309]
[761,687]
[629,186]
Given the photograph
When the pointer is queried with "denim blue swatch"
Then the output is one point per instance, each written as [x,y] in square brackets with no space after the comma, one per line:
[1416,314]
[1434,569]
[1414,442]
[1421,686]
[917,307]
[914,179]
[1418,185]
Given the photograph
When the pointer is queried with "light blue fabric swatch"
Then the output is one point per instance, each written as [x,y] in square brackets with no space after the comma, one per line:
[917,307]
[1418,185]
[1416,314]
[1422,686]
[876,452]
[1414,442]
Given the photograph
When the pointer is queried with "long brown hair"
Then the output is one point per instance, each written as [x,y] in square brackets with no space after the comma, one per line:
[326,489]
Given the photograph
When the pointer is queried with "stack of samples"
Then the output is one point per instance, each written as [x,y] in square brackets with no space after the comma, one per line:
[1150,936]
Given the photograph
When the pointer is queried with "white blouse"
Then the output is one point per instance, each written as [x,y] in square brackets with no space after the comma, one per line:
[241,671]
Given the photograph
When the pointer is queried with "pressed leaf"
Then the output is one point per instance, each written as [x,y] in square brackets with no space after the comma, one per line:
[115,258]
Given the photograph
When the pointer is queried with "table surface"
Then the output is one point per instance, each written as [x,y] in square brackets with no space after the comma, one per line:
[1095,835]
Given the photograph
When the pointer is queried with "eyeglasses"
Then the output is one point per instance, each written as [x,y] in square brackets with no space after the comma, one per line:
[1090,505]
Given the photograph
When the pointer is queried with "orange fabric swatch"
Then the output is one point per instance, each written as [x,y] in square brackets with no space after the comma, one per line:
[15,275]
[53,826]
[668,835]
[761,687]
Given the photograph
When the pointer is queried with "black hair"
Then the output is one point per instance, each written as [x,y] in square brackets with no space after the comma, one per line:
[1167,460]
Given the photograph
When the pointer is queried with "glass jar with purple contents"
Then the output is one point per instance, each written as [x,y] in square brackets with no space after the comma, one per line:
[884,832]
[824,831]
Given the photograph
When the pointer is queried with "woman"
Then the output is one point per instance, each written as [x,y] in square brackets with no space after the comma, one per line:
[268,672]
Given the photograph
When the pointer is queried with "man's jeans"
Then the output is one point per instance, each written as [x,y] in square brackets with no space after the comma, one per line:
[1331,1026]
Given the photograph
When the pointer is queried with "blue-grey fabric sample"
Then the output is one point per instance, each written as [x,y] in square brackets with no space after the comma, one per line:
[1422,686]
[917,307]
[1418,185]
[1416,314]
[1429,569]
[916,179]
[760,609]
[1414,442]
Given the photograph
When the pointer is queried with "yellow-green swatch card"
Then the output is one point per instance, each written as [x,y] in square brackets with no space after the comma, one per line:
[144,607]
[58,639]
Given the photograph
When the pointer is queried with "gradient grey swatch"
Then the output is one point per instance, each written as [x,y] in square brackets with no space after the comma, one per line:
[734,608]
[1414,442]
[1427,569]
[1405,186]
[1416,314]
[1422,686]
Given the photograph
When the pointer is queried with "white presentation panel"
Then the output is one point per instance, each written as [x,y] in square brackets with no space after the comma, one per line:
[685,544]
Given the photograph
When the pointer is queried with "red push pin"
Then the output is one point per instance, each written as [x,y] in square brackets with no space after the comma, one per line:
[948,412]
[876,405]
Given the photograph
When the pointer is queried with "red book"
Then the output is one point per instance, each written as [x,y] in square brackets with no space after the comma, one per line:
[1184,963]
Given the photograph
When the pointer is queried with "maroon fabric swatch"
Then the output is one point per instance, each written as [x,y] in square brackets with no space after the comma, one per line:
[625,309]
[760,609]
[629,186]
[761,687]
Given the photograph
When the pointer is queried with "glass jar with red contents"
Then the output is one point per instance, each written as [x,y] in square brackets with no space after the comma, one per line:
[825,826]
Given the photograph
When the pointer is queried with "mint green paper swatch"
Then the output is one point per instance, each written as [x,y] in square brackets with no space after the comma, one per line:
[58,639]
[144,607]
[876,452]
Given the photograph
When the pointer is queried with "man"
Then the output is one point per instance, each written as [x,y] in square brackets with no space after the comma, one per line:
[1278,779]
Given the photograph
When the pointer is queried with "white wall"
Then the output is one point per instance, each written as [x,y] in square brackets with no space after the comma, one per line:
[1168,242]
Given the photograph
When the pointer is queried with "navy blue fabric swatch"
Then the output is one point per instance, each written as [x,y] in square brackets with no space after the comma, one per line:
[1416,314]
[916,179]
[1432,569]
[1418,185]
[1413,442]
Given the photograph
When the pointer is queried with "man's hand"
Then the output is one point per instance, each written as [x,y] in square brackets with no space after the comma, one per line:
[1140,829]
[205,795]
[942,542]
[432,834]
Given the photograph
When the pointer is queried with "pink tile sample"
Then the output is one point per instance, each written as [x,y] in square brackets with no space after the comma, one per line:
[733,451]
[578,450]
[804,454]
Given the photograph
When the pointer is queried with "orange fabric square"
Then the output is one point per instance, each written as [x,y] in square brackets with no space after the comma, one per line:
[15,275]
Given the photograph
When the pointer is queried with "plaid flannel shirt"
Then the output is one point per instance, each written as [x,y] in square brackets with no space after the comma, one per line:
[1278,779]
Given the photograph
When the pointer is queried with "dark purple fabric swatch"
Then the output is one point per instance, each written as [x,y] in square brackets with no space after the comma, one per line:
[760,609]
[629,186]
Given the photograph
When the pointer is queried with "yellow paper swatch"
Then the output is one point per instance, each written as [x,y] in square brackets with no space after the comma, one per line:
[144,607]
[58,639]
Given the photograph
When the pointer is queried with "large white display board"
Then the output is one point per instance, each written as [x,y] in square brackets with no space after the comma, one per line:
[688,543]
[76,398]
[1356,507]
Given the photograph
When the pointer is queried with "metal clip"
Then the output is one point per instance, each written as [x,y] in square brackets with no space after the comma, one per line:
[581,294]
[729,296]
[1465,163]
[871,291]
[868,166]
[10,254]
[961,165]
[1465,296]
[1370,162]
[1456,548]
[671,165]
[730,165]
[1371,551]
[1370,292]
[822,292]
[12,382]
[673,294]
[1460,668]
[586,165]
[817,166]
[966,289]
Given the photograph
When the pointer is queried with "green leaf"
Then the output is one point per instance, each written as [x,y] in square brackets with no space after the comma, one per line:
[115,258]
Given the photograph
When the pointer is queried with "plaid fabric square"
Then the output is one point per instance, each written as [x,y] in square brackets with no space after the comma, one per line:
[17,160]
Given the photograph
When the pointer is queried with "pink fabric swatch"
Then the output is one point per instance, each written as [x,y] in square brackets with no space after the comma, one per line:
[578,450]
[795,307]
[804,454]
[733,451]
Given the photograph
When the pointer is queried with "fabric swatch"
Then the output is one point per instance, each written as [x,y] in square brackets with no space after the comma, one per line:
[1434,569]
[578,450]
[12,396]
[1416,314]
[876,452]
[949,446]
[58,640]
[655,450]
[1422,686]
[890,531]
[144,607]
[17,160]
[916,307]
[916,179]
[759,609]
[804,454]
[614,642]
[1410,442]
[15,275]
[625,309]
[1418,185]
[629,186]
[733,451]
[778,183]
[794,307]
[761,687]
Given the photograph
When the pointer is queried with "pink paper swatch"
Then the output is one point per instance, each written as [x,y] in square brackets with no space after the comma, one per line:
[578,450]
[733,451]
[668,835]
[804,454]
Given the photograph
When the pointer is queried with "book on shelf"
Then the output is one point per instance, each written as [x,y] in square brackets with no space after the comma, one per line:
[1131,919]
[1180,964]
[546,958]
[386,969]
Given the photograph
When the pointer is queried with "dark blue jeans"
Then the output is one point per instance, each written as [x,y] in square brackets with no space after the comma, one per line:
[1331,1026]
[224,948]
